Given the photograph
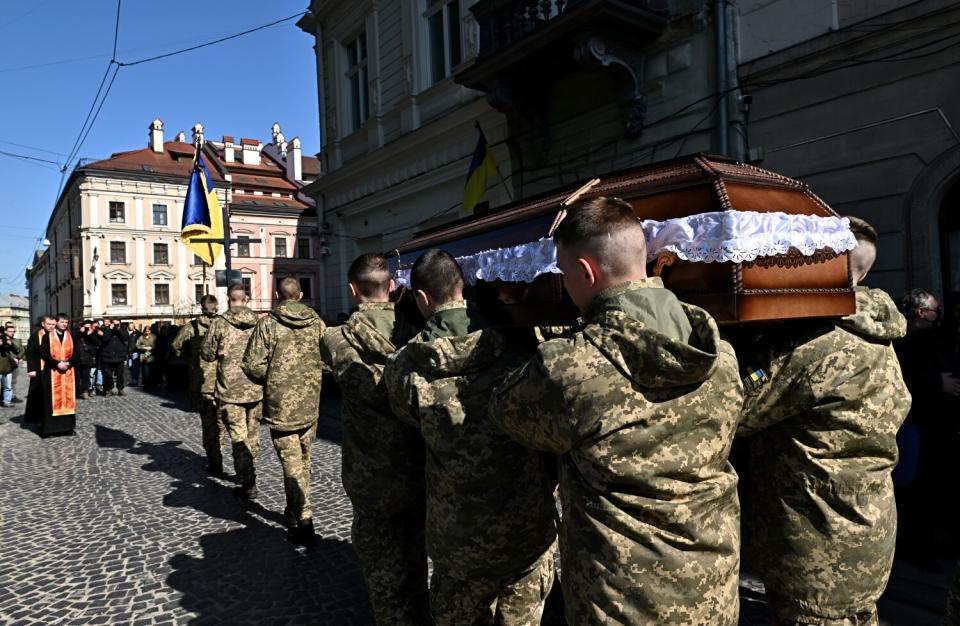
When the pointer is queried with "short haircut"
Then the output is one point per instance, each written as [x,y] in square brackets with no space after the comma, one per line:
[608,230]
[289,288]
[437,274]
[236,291]
[63,316]
[371,274]
[8,325]
[913,300]
[208,304]
[862,230]
[45,317]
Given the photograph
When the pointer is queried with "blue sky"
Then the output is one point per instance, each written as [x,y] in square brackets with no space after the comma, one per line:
[239,87]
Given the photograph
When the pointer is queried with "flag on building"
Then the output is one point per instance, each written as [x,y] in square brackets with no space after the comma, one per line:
[482,166]
[202,217]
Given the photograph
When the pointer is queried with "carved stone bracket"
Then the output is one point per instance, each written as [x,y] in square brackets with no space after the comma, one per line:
[597,50]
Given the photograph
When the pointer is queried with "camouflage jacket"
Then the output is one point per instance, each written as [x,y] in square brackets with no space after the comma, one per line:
[490,506]
[824,427]
[225,342]
[284,354]
[642,405]
[382,457]
[202,374]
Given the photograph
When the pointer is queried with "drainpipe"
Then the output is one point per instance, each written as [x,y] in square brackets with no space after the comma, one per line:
[723,111]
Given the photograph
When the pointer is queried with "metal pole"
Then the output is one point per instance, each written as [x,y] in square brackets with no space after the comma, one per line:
[226,235]
[723,113]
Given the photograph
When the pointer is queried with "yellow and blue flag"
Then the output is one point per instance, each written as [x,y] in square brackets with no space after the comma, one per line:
[482,166]
[202,217]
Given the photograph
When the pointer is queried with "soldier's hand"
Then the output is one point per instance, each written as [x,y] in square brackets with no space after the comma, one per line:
[951,384]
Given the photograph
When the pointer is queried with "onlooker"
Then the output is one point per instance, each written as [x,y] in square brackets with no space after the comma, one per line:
[144,351]
[10,354]
[89,351]
[114,357]
[133,355]
[929,436]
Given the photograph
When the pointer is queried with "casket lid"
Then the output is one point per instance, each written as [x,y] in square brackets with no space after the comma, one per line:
[689,185]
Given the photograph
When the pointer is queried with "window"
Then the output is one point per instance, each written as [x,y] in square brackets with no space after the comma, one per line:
[280,247]
[118,294]
[118,252]
[247,286]
[357,79]
[117,213]
[303,248]
[161,254]
[243,246]
[159,215]
[305,287]
[198,292]
[161,293]
[443,29]
[197,260]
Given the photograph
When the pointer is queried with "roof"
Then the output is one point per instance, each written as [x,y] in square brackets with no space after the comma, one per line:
[310,165]
[175,160]
[268,176]
[14,301]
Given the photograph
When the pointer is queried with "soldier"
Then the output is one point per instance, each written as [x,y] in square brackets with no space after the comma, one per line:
[203,382]
[284,353]
[641,403]
[382,457]
[822,421]
[491,513]
[239,398]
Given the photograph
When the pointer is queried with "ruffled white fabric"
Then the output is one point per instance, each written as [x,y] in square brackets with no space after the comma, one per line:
[739,236]
[716,237]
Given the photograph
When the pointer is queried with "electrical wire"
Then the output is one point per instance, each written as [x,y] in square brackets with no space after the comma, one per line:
[210,43]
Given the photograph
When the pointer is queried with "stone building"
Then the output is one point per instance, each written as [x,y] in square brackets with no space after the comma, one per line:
[114,235]
[16,309]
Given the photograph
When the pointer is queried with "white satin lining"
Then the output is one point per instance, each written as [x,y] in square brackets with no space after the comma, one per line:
[716,237]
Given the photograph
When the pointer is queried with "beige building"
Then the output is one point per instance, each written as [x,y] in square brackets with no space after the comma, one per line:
[114,236]
[16,309]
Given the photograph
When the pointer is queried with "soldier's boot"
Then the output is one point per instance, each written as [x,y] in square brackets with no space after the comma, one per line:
[122,392]
[246,491]
[215,470]
[302,533]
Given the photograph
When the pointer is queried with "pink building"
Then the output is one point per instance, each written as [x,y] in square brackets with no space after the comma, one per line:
[265,203]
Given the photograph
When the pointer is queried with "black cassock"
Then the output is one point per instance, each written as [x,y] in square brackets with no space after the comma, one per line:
[34,409]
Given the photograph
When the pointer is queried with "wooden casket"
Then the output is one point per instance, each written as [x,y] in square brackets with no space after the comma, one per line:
[744,243]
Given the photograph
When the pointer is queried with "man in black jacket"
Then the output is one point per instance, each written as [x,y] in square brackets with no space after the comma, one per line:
[114,338]
[89,341]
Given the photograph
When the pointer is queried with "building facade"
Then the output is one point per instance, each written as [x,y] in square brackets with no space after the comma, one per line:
[397,131]
[16,309]
[114,236]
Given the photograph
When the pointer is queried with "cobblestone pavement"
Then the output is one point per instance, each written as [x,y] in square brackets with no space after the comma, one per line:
[119,524]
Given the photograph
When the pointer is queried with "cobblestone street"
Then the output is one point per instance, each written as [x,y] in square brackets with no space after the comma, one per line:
[120,524]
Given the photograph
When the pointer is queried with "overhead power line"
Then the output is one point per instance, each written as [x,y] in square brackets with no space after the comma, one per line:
[210,43]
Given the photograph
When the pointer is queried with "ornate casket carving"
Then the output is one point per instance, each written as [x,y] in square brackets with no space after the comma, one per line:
[744,243]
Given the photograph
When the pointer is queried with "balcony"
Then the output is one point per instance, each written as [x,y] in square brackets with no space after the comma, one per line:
[527,43]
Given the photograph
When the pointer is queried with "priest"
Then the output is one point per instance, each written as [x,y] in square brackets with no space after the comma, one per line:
[59,354]
[33,413]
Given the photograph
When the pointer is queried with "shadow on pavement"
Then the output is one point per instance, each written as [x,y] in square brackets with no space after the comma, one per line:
[252,575]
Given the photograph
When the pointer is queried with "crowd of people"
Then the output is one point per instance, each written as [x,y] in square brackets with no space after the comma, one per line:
[461,436]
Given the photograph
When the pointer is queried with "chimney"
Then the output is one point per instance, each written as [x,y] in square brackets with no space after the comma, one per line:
[229,149]
[279,142]
[250,151]
[197,133]
[156,135]
[181,137]
[294,160]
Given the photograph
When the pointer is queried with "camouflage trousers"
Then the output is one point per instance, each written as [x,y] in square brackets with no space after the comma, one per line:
[393,557]
[212,428]
[293,449]
[868,618]
[515,601]
[242,422]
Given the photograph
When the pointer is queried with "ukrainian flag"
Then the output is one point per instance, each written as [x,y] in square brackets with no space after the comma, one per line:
[202,217]
[482,167]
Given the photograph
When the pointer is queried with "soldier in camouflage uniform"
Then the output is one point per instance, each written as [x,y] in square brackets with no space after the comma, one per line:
[239,397]
[491,513]
[203,382]
[641,403]
[822,421]
[284,353]
[382,457]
